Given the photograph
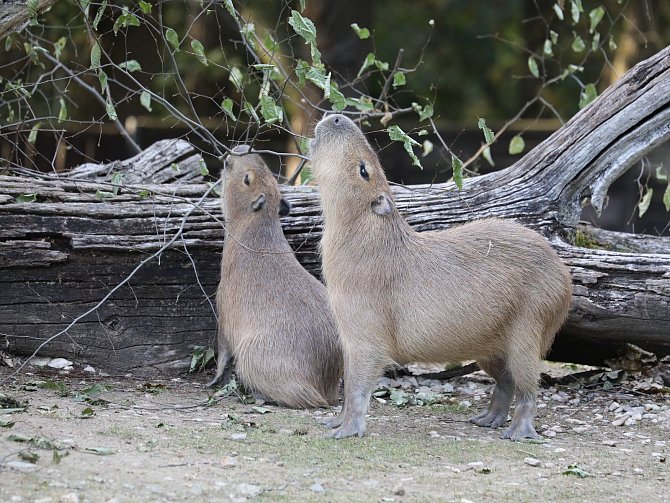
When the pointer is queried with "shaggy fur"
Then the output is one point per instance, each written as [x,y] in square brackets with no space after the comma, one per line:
[490,290]
[274,317]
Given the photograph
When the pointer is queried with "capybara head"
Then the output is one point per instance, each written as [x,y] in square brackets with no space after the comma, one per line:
[250,189]
[344,163]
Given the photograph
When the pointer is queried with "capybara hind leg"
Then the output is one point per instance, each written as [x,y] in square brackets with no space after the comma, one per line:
[224,367]
[496,414]
[524,364]
[522,422]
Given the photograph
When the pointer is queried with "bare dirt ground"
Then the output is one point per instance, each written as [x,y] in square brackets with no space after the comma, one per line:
[133,440]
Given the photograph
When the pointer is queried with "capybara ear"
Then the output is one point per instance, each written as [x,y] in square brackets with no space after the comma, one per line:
[259,202]
[382,205]
[284,207]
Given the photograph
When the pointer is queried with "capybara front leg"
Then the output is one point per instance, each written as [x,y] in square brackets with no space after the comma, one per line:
[496,414]
[522,422]
[360,377]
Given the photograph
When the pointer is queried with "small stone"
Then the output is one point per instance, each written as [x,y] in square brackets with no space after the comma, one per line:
[89,369]
[250,490]
[229,462]
[317,488]
[614,406]
[549,433]
[581,429]
[609,443]
[44,500]
[69,498]
[21,466]
[238,436]
[532,461]
[476,464]
[465,403]
[59,363]
[447,388]
[40,362]
[434,434]
[651,406]
[620,420]
[398,490]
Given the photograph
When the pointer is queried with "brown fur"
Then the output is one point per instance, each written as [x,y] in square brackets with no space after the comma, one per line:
[490,290]
[274,319]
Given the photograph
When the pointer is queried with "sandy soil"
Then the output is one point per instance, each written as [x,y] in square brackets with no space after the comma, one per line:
[170,441]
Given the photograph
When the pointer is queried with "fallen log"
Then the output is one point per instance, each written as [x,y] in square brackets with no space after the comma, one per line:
[61,253]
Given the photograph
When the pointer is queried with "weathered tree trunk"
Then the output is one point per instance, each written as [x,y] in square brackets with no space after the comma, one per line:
[61,254]
[15,15]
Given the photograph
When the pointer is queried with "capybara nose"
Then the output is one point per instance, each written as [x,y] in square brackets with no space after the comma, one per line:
[336,120]
[241,149]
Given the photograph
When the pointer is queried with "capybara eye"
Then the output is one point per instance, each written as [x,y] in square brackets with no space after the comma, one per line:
[246,179]
[363,170]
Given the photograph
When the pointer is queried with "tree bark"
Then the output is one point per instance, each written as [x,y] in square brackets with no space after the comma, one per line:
[63,252]
[15,15]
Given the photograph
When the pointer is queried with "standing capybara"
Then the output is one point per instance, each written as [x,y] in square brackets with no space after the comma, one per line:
[274,318]
[490,290]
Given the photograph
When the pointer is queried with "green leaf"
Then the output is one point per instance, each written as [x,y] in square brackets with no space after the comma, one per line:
[578,44]
[99,14]
[399,79]
[660,175]
[203,167]
[261,410]
[236,78]
[102,78]
[588,94]
[32,136]
[576,471]
[230,8]
[145,100]
[103,194]
[100,451]
[595,43]
[264,67]
[644,203]
[145,7]
[666,198]
[85,4]
[172,37]
[270,43]
[58,456]
[532,66]
[303,27]
[9,41]
[547,49]
[6,424]
[227,107]
[397,134]
[369,61]
[362,33]
[62,114]
[559,11]
[575,9]
[32,6]
[131,65]
[29,456]
[248,30]
[427,148]
[554,37]
[486,154]
[96,54]
[59,46]
[26,198]
[457,167]
[516,145]
[425,112]
[117,180]
[88,412]
[399,397]
[111,112]
[270,110]
[199,51]
[337,99]
[488,134]
[596,15]
[251,112]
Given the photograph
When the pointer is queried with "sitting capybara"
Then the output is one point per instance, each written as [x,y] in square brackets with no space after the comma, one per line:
[274,318]
[490,290]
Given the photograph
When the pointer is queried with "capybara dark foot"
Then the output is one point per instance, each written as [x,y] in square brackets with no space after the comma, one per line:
[349,428]
[520,432]
[489,419]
